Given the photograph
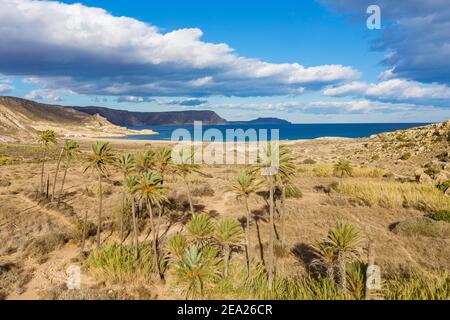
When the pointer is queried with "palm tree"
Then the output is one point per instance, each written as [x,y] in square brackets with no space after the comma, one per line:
[246,185]
[126,165]
[184,168]
[151,190]
[71,147]
[98,162]
[196,268]
[144,161]
[229,233]
[56,173]
[162,161]
[286,171]
[269,166]
[201,229]
[131,182]
[46,138]
[342,168]
[343,239]
[326,257]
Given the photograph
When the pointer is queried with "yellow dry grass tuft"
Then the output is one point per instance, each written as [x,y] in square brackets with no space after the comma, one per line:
[388,194]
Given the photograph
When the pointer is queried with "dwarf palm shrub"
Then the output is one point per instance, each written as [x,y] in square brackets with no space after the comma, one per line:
[356,279]
[196,270]
[177,245]
[201,229]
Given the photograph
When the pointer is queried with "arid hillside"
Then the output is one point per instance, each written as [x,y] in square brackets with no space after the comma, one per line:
[395,196]
[21,119]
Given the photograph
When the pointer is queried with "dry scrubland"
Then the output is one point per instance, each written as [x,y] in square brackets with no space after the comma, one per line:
[395,196]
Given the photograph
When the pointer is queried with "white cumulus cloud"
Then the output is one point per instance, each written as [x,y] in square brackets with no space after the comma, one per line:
[89,51]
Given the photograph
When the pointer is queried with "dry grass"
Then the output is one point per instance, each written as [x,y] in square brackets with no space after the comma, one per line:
[388,194]
[326,170]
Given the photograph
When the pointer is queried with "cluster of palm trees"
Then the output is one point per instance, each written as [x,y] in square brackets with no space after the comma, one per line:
[143,188]
[198,255]
[47,139]
[276,171]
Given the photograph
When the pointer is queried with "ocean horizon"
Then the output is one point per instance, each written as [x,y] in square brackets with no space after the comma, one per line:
[289,131]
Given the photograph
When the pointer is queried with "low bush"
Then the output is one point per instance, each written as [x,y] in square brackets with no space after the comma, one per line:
[309,161]
[422,227]
[203,190]
[442,215]
[406,156]
[293,192]
[432,171]
[444,186]
[444,157]
[117,263]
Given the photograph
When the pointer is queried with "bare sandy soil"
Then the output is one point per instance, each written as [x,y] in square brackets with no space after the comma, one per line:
[33,269]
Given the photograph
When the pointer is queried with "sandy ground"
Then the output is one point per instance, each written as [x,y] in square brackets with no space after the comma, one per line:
[23,219]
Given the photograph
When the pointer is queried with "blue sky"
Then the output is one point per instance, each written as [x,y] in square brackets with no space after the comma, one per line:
[305,61]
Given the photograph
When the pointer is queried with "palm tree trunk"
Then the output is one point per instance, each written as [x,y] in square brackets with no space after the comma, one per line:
[63,182]
[271,235]
[100,194]
[188,189]
[283,215]
[226,260]
[155,236]
[135,232]
[342,273]
[47,186]
[83,240]
[56,174]
[247,240]
[42,170]
[122,213]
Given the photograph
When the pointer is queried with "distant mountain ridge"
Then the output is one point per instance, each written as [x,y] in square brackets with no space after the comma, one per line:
[264,120]
[135,118]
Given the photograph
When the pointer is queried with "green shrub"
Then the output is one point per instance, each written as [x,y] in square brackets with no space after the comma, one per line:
[444,186]
[118,263]
[402,138]
[422,227]
[443,156]
[432,171]
[442,215]
[293,192]
[375,157]
[309,161]
[406,156]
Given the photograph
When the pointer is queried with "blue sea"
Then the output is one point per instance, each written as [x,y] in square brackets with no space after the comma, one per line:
[286,131]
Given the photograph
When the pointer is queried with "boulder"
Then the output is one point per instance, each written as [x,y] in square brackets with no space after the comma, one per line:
[4,183]
[441,178]
[422,177]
